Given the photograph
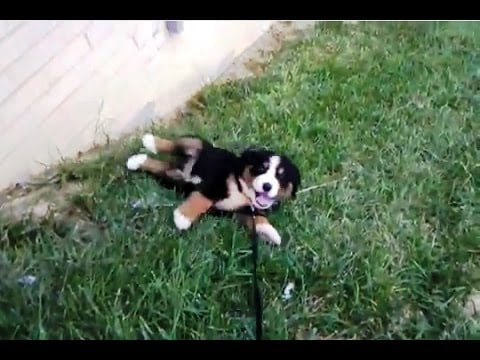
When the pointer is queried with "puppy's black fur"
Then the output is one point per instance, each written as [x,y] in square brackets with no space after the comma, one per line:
[214,165]
[217,181]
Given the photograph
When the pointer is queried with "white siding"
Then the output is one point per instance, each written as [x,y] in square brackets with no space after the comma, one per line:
[64,85]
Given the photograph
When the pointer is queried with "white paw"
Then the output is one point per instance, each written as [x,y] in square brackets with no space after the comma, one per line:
[148,141]
[135,161]
[268,232]
[181,221]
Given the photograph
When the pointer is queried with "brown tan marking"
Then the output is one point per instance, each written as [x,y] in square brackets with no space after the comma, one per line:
[163,145]
[191,146]
[156,167]
[195,206]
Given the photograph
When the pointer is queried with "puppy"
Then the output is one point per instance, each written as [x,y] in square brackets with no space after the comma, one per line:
[220,180]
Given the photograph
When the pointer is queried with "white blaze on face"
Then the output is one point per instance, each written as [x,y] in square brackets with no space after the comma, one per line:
[267,183]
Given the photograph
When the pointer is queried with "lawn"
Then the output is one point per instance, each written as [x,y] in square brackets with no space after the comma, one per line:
[384,115]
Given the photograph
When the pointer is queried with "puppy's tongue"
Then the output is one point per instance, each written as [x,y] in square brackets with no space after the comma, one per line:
[264,200]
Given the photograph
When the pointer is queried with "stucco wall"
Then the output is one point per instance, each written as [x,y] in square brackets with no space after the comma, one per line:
[65,85]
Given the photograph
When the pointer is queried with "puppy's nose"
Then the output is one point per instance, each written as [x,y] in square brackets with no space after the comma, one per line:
[267,187]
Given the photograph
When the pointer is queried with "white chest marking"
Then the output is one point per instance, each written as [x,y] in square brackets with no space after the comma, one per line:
[235,198]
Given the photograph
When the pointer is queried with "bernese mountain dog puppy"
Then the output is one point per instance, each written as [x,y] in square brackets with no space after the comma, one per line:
[219,180]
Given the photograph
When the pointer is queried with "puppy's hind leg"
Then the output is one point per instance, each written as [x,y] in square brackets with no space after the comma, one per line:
[189,146]
[155,144]
[143,162]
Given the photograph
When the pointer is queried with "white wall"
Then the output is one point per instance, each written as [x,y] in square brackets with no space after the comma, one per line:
[65,84]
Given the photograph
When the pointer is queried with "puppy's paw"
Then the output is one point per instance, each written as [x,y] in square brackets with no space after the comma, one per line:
[181,221]
[135,161]
[148,141]
[269,233]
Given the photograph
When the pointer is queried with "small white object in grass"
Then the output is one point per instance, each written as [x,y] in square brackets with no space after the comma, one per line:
[287,292]
[136,204]
[27,280]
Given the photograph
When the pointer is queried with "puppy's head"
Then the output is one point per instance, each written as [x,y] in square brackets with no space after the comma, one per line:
[273,177]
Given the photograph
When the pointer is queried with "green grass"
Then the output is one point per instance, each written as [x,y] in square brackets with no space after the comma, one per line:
[389,251]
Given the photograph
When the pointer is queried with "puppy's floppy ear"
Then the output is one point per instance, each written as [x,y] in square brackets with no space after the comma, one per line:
[295,185]
[294,175]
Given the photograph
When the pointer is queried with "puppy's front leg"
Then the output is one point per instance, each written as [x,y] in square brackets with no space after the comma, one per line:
[263,227]
[190,210]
